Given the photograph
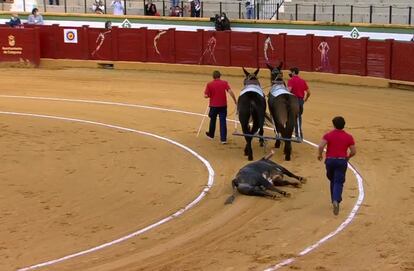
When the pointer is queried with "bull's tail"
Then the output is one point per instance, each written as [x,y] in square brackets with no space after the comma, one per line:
[230,199]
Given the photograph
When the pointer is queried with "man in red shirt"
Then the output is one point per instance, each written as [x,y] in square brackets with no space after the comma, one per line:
[298,87]
[338,142]
[216,92]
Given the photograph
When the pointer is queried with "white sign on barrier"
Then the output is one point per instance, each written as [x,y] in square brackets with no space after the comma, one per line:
[70,35]
[126,24]
[355,33]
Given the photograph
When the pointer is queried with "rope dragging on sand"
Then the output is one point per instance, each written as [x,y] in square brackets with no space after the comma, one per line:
[202,121]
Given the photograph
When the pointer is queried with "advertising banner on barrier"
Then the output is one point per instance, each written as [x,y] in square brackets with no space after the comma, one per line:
[19,45]
[70,35]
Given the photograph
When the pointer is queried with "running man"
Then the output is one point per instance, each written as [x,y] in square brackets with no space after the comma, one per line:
[340,148]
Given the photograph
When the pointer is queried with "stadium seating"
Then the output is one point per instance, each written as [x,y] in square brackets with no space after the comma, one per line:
[290,9]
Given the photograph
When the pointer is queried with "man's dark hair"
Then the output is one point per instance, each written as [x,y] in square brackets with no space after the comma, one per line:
[216,74]
[338,122]
[108,24]
[294,70]
[34,10]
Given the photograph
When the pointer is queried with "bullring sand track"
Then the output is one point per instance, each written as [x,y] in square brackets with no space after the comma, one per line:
[68,186]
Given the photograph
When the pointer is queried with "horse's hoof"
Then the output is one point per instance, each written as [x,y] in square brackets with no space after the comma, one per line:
[250,158]
[287,157]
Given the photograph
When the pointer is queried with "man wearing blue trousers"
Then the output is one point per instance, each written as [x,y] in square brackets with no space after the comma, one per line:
[340,147]
[216,91]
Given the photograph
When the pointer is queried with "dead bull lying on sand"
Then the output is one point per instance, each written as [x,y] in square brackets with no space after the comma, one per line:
[255,179]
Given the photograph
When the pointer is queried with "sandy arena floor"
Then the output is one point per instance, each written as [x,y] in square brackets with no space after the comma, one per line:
[68,186]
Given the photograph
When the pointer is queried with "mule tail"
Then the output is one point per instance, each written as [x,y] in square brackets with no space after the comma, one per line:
[230,199]
[258,120]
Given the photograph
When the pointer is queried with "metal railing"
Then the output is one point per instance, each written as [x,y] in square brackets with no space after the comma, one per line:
[258,9]
[347,13]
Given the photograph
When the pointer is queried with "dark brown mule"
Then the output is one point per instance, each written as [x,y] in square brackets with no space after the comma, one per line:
[251,105]
[284,108]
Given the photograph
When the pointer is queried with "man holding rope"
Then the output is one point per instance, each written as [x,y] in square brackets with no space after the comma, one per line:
[299,88]
[216,91]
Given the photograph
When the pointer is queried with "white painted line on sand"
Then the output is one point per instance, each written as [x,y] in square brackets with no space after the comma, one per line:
[147,228]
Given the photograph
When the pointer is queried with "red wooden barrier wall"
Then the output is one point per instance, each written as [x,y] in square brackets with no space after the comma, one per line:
[19,45]
[48,41]
[243,49]
[188,47]
[378,58]
[402,61]
[132,45]
[298,52]
[386,59]
[353,56]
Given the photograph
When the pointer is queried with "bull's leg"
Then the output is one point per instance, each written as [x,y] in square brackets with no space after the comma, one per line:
[275,189]
[263,193]
[302,179]
[247,189]
[286,182]
[292,175]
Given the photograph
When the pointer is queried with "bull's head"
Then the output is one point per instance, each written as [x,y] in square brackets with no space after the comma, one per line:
[273,175]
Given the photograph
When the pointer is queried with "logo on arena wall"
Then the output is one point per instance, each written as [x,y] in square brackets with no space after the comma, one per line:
[12,40]
[11,50]
[126,24]
[355,33]
[70,35]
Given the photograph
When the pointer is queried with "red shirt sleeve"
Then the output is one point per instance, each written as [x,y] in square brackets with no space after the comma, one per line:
[351,141]
[207,90]
[227,86]
[290,83]
[306,85]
